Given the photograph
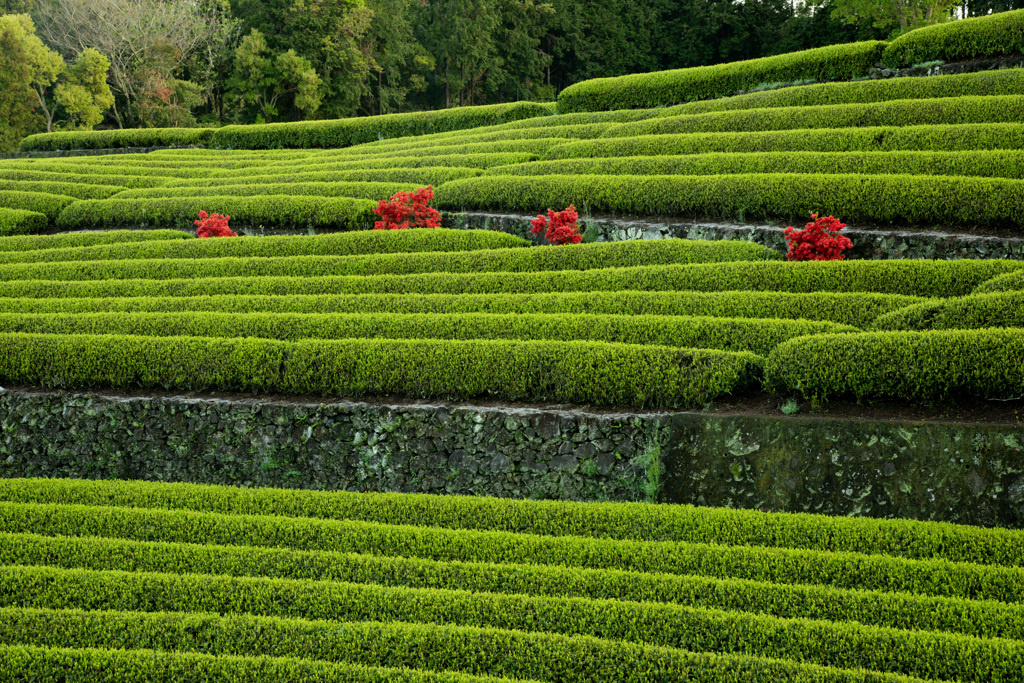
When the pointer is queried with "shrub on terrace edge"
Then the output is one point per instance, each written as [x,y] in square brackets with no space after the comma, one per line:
[213,225]
[818,241]
[559,227]
[402,206]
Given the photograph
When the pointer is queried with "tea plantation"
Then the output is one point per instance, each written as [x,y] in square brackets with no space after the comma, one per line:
[104,289]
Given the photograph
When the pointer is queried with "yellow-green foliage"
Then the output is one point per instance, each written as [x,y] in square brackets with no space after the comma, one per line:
[105,139]
[998,309]
[84,239]
[21,222]
[50,205]
[987,36]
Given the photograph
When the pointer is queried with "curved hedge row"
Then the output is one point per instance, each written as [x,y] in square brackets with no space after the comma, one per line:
[859,310]
[277,211]
[999,309]
[967,137]
[122,171]
[347,132]
[335,244]
[87,178]
[1001,283]
[476,160]
[916,366]
[996,163]
[358,190]
[600,255]
[75,190]
[108,139]
[756,335]
[906,277]
[613,374]
[988,36]
[427,175]
[938,111]
[87,239]
[1003,82]
[50,205]
[921,200]
[21,222]
[641,91]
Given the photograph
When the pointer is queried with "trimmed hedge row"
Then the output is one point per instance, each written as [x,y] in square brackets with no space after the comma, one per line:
[756,335]
[967,137]
[358,190]
[200,611]
[906,277]
[1000,309]
[599,255]
[354,131]
[335,244]
[475,160]
[75,190]
[1002,283]
[50,205]
[68,166]
[642,91]
[543,656]
[714,559]
[21,222]
[611,374]
[278,211]
[76,240]
[1004,82]
[858,310]
[74,178]
[108,139]
[989,36]
[917,366]
[427,175]
[938,111]
[997,163]
[157,666]
[921,200]
[985,619]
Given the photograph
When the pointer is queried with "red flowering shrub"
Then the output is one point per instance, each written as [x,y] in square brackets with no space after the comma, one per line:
[818,241]
[559,227]
[213,225]
[403,206]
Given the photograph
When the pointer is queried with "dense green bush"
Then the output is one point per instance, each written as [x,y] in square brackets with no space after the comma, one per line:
[123,172]
[614,374]
[273,211]
[359,190]
[932,366]
[86,239]
[346,132]
[1001,283]
[50,205]
[21,222]
[938,111]
[994,163]
[641,91]
[476,160]
[87,178]
[854,569]
[75,190]
[985,619]
[427,175]
[584,257]
[920,200]
[728,334]
[1004,82]
[859,310]
[906,277]
[994,35]
[999,309]
[107,139]
[975,136]
[335,244]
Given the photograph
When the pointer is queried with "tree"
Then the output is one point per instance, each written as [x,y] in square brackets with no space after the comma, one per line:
[459,35]
[84,94]
[17,97]
[263,79]
[904,14]
[398,62]
[519,71]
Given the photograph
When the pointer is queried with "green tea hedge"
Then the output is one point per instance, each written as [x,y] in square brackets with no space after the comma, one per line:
[119,171]
[575,258]
[274,211]
[50,205]
[858,310]
[85,239]
[916,366]
[999,309]
[475,160]
[427,175]
[641,91]
[994,35]
[359,190]
[20,222]
[985,163]
[920,200]
[938,111]
[106,139]
[613,374]
[728,334]
[87,178]
[977,136]
[75,190]
[335,244]
[347,132]
[1001,283]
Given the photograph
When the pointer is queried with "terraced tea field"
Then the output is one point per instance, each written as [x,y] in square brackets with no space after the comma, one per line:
[138,581]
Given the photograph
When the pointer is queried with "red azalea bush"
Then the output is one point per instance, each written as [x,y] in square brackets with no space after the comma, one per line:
[403,206]
[213,225]
[559,227]
[818,241]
